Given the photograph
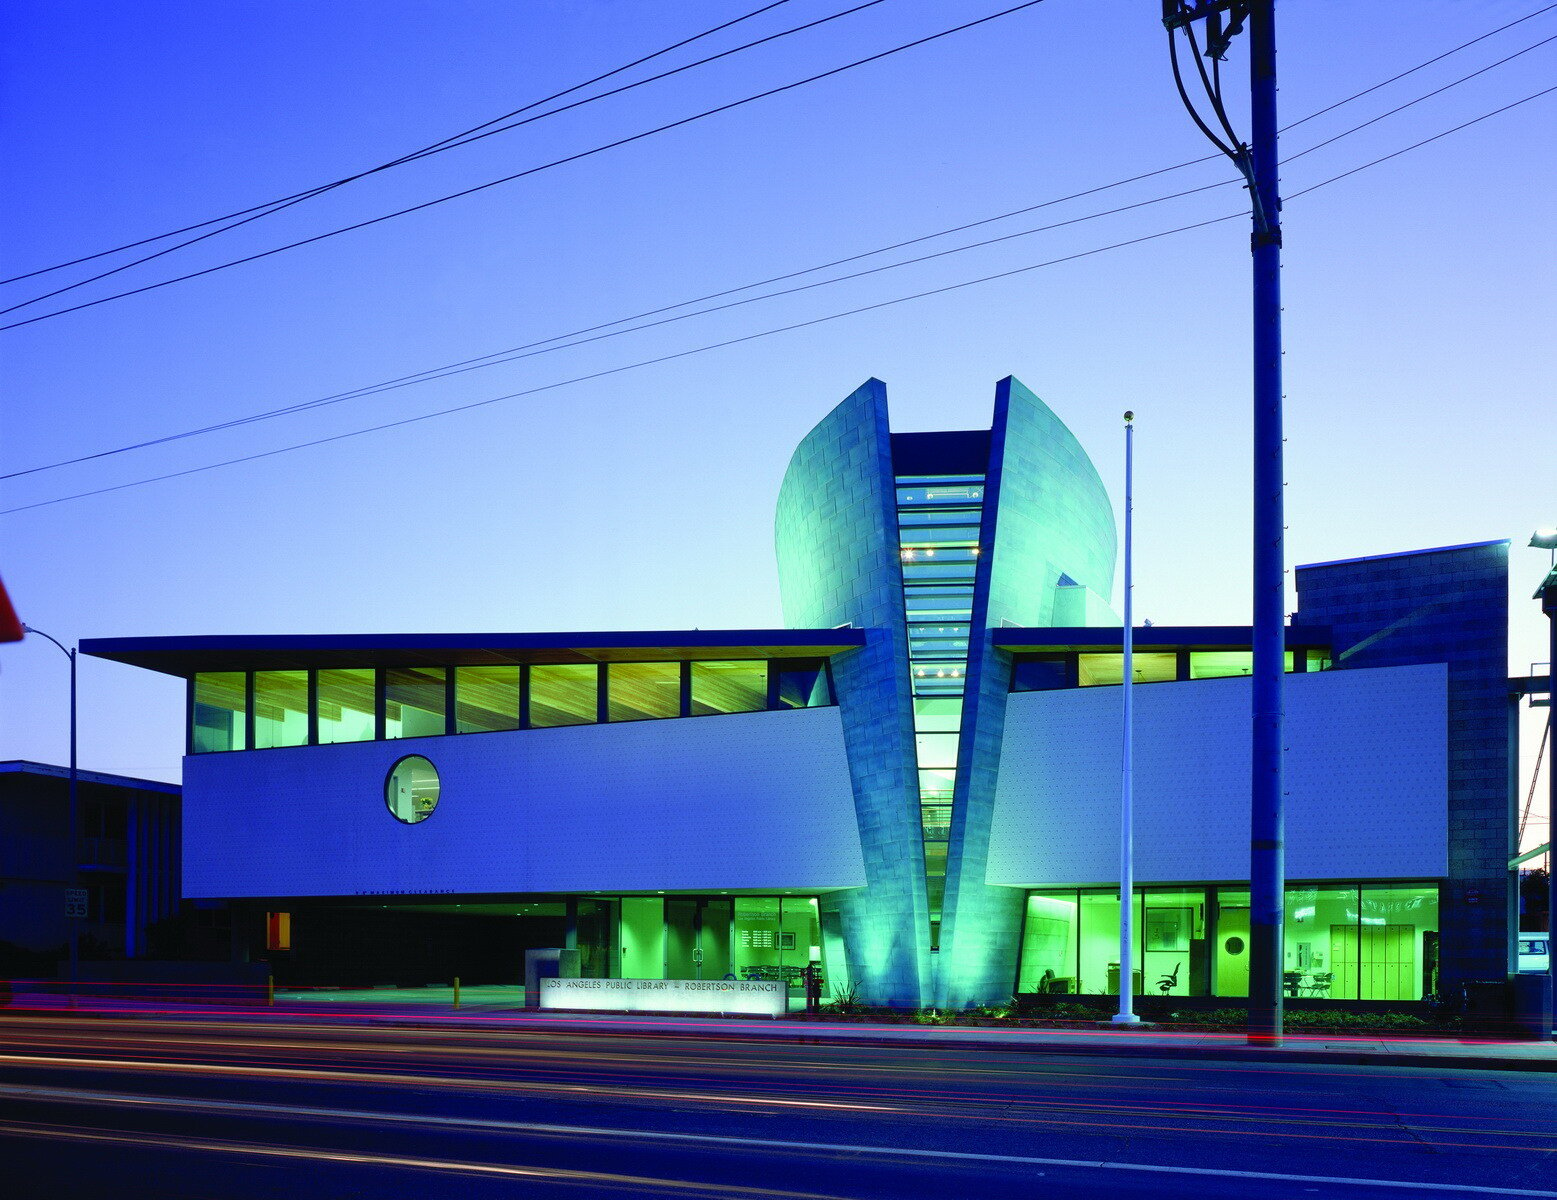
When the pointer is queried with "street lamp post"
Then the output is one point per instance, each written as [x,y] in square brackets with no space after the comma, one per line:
[75,812]
[1126,1014]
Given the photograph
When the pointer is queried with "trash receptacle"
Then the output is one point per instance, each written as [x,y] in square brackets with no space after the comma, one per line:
[1533,1004]
[1488,1005]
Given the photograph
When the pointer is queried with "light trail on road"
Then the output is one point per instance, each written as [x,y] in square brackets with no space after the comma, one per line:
[549,1095]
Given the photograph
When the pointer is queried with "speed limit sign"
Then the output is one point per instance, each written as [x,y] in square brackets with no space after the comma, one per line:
[76,903]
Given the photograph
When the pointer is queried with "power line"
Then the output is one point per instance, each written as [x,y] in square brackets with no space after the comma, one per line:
[498,357]
[1425,96]
[571,158]
[750,337]
[1422,65]
[444,143]
[763,333]
[451,142]
[1424,142]
[462,139]
[457,139]
[531,349]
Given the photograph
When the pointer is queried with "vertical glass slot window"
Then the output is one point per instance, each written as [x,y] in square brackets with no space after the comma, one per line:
[643,691]
[935,820]
[220,717]
[280,709]
[802,683]
[938,714]
[1102,670]
[344,703]
[563,694]
[729,687]
[938,519]
[936,750]
[486,699]
[414,702]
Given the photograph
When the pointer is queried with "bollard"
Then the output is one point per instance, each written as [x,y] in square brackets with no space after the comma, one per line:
[270,990]
[456,991]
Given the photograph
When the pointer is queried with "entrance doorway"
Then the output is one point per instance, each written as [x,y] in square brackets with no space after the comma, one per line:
[697,937]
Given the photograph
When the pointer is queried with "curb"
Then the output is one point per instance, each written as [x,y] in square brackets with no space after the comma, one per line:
[797,1034]
[790,1036]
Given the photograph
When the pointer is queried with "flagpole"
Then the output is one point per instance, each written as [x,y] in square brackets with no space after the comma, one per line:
[1126,1014]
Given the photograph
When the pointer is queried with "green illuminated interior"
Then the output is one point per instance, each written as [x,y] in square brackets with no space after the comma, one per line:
[219,711]
[701,937]
[346,706]
[280,709]
[414,702]
[1050,671]
[358,704]
[938,544]
[486,699]
[1342,941]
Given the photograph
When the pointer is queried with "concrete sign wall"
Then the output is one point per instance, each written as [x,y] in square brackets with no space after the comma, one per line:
[750,997]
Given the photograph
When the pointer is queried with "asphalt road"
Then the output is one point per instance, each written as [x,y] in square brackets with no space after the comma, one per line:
[238,1109]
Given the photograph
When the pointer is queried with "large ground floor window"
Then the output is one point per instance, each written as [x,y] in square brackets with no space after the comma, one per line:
[703,937]
[1343,941]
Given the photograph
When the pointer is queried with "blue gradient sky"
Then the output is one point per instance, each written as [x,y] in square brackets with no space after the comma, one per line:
[1419,311]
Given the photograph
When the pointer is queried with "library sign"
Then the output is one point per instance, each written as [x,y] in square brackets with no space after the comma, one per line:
[749,997]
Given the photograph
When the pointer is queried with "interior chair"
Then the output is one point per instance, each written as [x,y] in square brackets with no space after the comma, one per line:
[1169,981]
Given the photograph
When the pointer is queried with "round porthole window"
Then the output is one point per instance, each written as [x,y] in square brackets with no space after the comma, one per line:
[1233,945]
[411,791]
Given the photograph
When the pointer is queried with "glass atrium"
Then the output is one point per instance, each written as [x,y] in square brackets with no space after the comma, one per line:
[938,542]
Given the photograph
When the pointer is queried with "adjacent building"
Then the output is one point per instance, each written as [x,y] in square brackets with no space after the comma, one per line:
[913,785]
[126,863]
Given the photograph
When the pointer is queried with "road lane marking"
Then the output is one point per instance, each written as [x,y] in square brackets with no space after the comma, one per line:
[148,1067]
[1073,1111]
[640,1185]
[86,1096]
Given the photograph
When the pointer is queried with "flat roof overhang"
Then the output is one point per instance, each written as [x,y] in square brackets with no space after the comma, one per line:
[1151,637]
[184,656]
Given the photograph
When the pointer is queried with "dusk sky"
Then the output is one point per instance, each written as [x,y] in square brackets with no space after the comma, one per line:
[1419,307]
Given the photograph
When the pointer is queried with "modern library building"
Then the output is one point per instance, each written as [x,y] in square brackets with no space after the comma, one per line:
[913,786]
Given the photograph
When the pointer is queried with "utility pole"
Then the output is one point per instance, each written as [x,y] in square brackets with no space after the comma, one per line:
[1258,161]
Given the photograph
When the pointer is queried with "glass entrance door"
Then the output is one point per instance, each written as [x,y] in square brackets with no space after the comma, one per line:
[682,959]
[697,937]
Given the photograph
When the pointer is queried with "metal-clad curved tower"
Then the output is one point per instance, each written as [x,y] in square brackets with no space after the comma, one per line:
[1047,518]
[928,542]
[836,536]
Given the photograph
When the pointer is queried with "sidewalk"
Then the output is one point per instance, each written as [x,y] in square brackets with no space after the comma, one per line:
[486,1010]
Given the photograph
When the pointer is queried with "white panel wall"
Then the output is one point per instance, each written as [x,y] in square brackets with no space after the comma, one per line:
[752,800]
[1365,770]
